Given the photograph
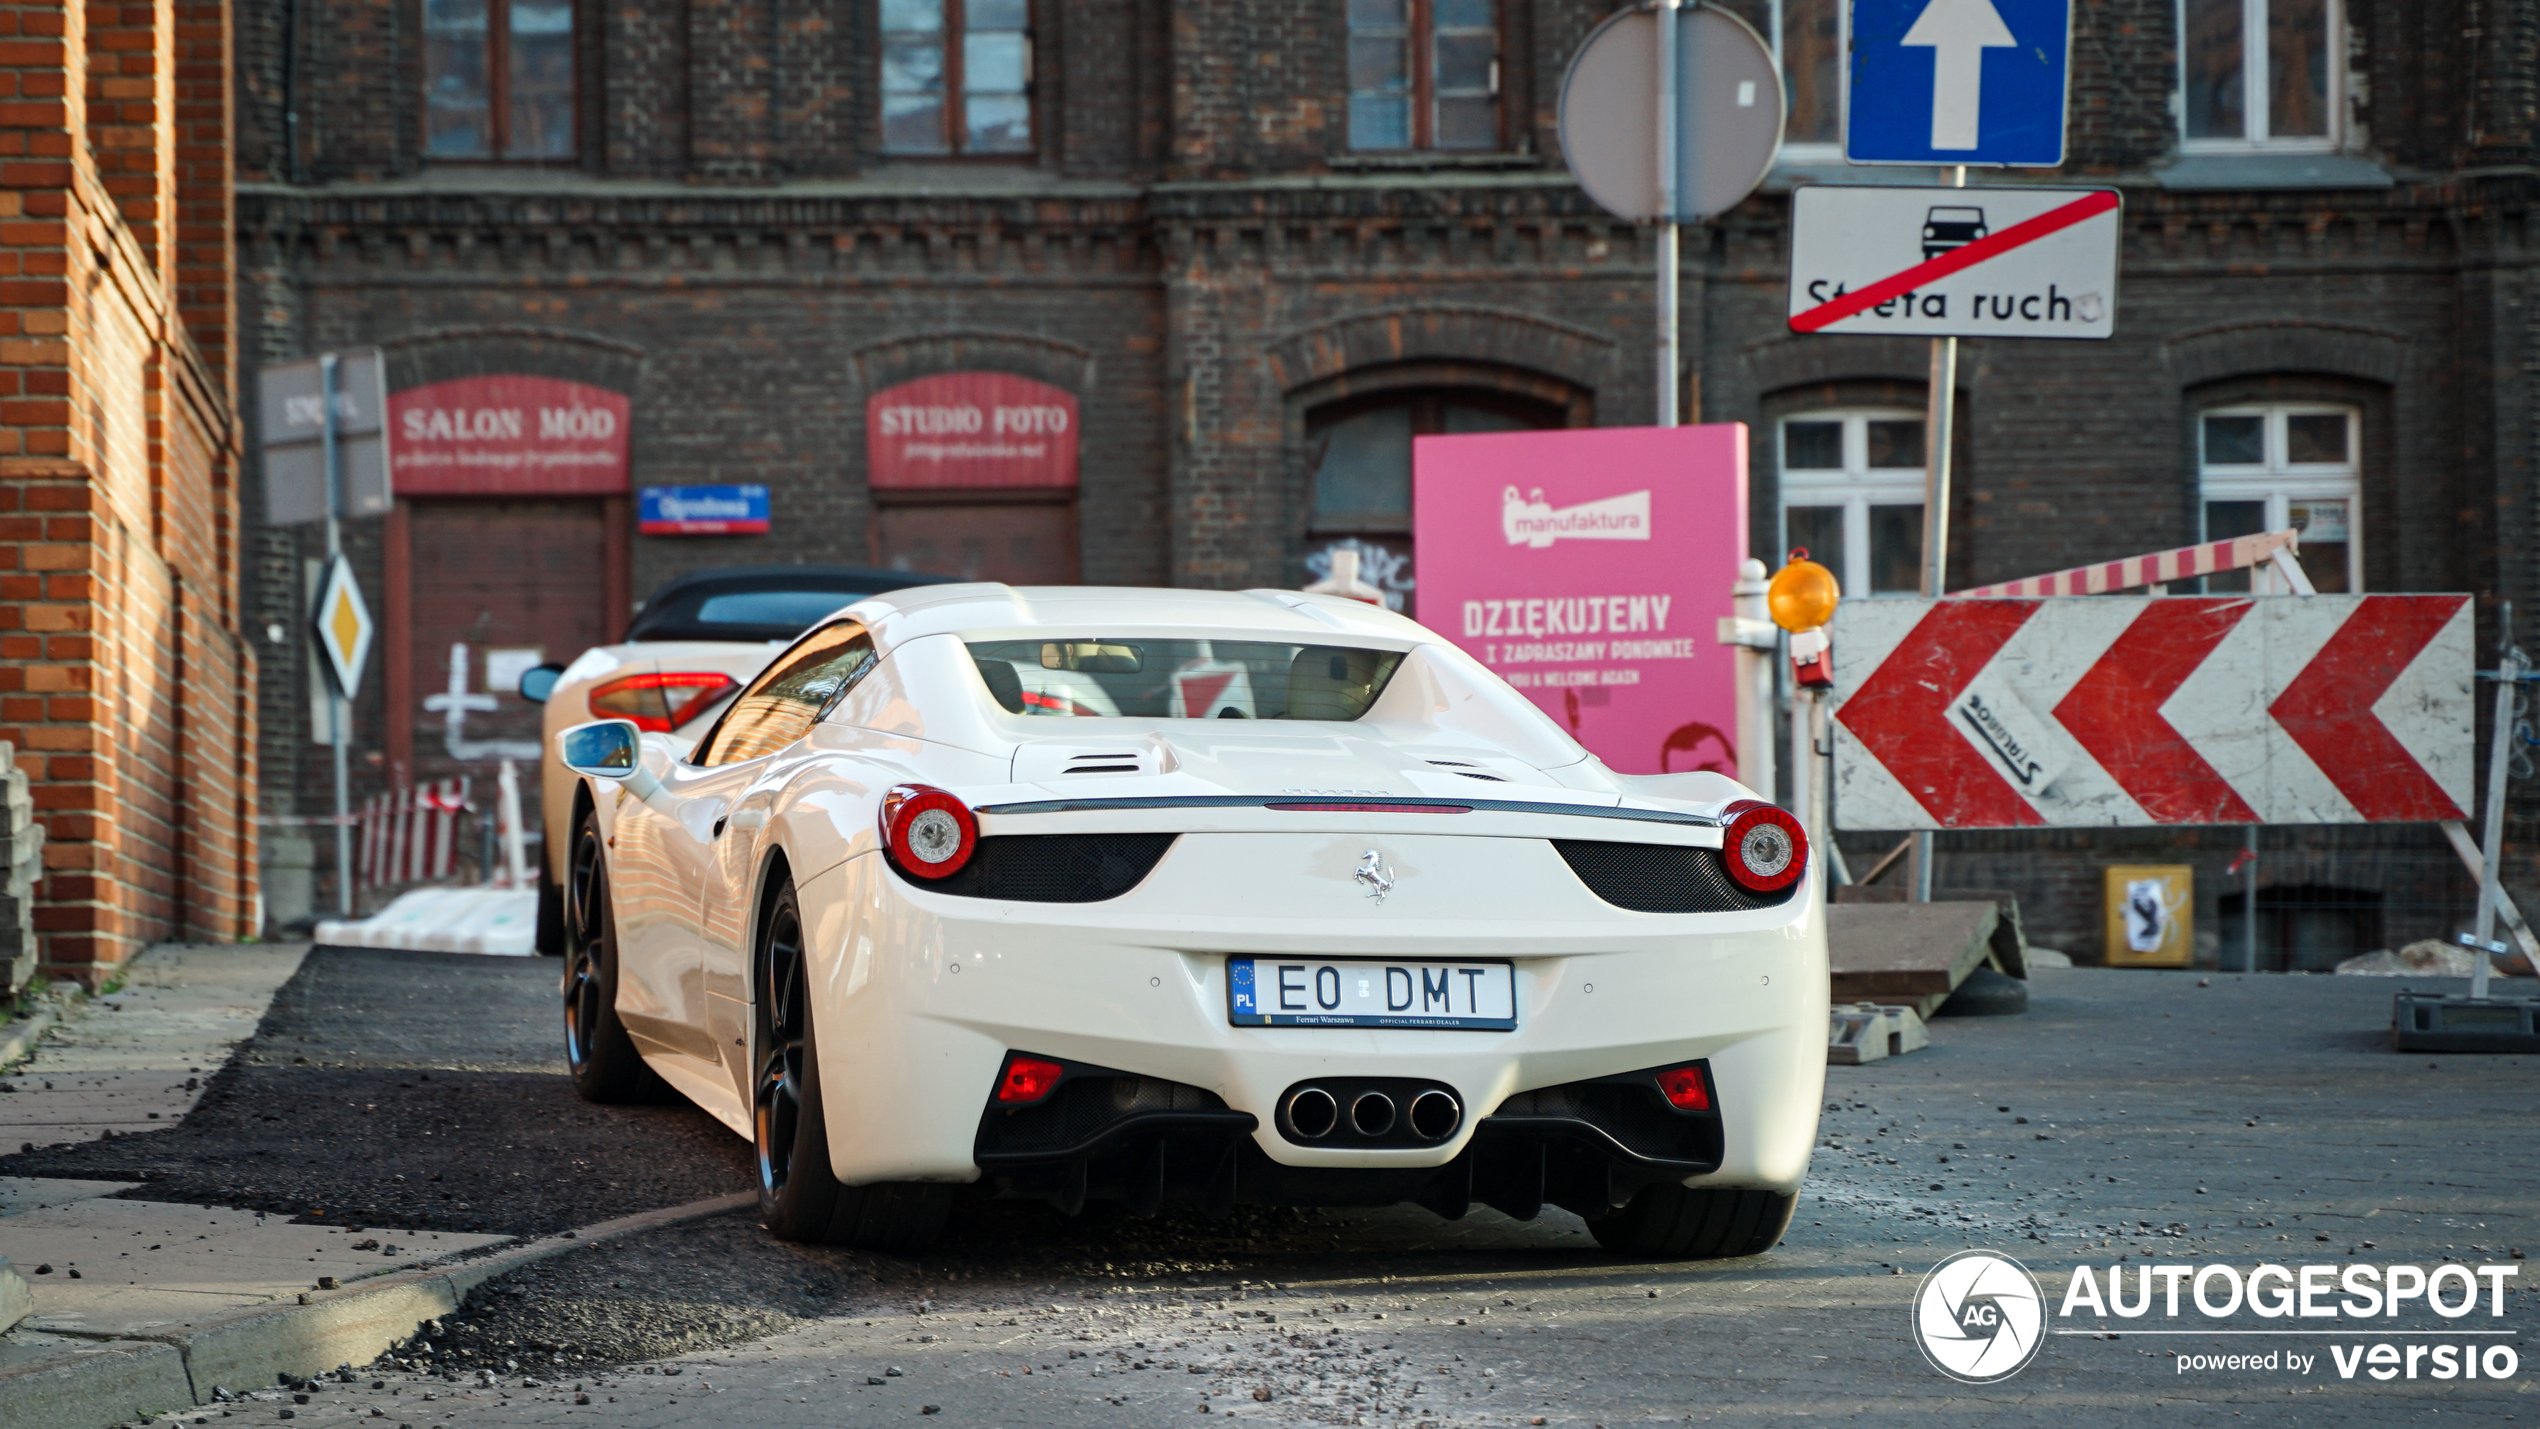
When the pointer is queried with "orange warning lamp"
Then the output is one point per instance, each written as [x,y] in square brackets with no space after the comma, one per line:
[1803,594]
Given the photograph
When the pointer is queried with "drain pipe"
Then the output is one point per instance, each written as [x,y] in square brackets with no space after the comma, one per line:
[291,92]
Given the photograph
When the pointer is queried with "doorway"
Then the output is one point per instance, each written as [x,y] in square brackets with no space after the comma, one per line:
[1017,542]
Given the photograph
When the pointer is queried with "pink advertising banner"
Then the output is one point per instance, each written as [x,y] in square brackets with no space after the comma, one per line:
[1589,569]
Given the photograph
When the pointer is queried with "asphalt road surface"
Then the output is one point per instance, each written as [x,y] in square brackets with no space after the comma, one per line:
[2128,1117]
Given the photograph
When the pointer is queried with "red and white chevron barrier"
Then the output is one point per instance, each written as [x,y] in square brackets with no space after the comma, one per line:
[2134,710]
[412,834]
[2159,568]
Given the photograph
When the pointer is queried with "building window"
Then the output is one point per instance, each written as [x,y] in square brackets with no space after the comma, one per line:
[1852,494]
[1424,74]
[1808,37]
[957,76]
[2266,468]
[2259,72]
[1362,473]
[498,79]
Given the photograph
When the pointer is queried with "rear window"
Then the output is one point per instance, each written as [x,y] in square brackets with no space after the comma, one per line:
[775,606]
[795,608]
[1106,677]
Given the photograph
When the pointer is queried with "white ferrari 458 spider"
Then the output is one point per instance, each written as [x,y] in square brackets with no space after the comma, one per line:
[1202,897]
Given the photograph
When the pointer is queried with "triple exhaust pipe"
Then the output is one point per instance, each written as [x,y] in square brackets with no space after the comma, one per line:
[1379,1111]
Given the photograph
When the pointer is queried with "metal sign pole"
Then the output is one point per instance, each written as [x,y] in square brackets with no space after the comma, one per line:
[335,712]
[1667,123]
[2499,744]
[1937,438]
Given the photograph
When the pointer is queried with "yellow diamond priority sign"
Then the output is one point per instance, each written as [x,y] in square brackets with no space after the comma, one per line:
[343,626]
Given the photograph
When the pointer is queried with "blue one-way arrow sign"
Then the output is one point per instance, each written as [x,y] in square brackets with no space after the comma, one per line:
[1958,82]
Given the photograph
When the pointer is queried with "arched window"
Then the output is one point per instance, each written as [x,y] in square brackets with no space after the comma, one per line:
[2267,466]
[1362,471]
[1852,493]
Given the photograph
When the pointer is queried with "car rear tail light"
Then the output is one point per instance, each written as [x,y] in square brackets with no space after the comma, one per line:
[1685,1088]
[930,833]
[1027,1080]
[660,703]
[1764,847]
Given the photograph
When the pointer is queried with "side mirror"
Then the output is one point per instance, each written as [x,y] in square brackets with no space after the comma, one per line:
[538,684]
[603,749]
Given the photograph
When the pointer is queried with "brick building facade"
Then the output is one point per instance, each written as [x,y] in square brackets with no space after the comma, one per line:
[126,689]
[1262,246]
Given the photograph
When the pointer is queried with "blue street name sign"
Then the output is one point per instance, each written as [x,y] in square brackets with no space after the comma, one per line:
[703,511]
[1958,82]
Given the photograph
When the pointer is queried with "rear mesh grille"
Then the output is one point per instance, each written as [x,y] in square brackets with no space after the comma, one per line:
[1662,878]
[1085,1105]
[1055,868]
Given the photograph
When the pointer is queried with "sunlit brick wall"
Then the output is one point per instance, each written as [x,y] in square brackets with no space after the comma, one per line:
[121,668]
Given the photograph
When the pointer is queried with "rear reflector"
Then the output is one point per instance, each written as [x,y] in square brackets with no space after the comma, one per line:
[1685,1088]
[1373,808]
[1027,1080]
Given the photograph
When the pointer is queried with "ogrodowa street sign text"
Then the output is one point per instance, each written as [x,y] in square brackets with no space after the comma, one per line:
[2105,711]
[1927,262]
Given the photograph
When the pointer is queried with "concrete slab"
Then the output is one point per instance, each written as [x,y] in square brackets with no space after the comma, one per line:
[499,921]
[1913,953]
[89,1384]
[20,1194]
[138,1058]
[148,1266]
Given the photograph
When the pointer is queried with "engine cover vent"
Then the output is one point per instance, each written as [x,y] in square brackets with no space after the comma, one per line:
[1062,760]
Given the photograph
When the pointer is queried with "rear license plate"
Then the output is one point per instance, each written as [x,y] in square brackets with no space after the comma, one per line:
[1354,992]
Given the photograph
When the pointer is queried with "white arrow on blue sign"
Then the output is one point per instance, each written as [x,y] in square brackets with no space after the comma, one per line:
[1958,82]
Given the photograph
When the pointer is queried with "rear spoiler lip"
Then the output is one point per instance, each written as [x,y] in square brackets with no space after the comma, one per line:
[1268,801]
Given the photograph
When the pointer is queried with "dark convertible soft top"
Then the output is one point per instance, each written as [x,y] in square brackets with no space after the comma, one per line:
[688,607]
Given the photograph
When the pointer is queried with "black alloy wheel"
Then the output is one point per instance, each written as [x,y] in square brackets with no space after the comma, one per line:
[783,1045]
[799,1195]
[602,1058]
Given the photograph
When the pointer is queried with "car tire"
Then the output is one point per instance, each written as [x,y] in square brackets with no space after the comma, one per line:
[602,1058]
[1672,1222]
[799,1196]
[550,931]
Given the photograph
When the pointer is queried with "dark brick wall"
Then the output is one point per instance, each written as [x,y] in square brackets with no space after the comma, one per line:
[1194,252]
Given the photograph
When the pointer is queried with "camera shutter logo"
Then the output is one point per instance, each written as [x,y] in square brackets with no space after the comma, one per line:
[1979,1317]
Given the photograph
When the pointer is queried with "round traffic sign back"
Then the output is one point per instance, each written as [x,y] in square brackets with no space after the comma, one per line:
[1728,119]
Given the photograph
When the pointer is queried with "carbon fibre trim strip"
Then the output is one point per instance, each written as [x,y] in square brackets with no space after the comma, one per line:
[1267,801]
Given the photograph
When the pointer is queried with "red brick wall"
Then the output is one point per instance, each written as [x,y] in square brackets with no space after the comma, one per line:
[121,666]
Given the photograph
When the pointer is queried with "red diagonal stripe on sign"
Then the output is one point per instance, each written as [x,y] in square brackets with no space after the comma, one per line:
[1992,245]
[2115,712]
[1901,714]
[2328,708]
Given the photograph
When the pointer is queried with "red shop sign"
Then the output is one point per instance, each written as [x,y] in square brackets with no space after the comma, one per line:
[507,435]
[971,431]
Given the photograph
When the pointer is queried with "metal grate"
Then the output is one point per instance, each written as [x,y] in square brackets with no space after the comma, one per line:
[1662,878]
[1083,1106]
[1627,1108]
[1056,868]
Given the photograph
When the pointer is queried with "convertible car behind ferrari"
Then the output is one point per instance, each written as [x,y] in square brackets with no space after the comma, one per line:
[1204,897]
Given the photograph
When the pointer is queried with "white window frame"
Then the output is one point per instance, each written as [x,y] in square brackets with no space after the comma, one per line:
[2254,88]
[1856,487]
[1815,151]
[2280,481]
